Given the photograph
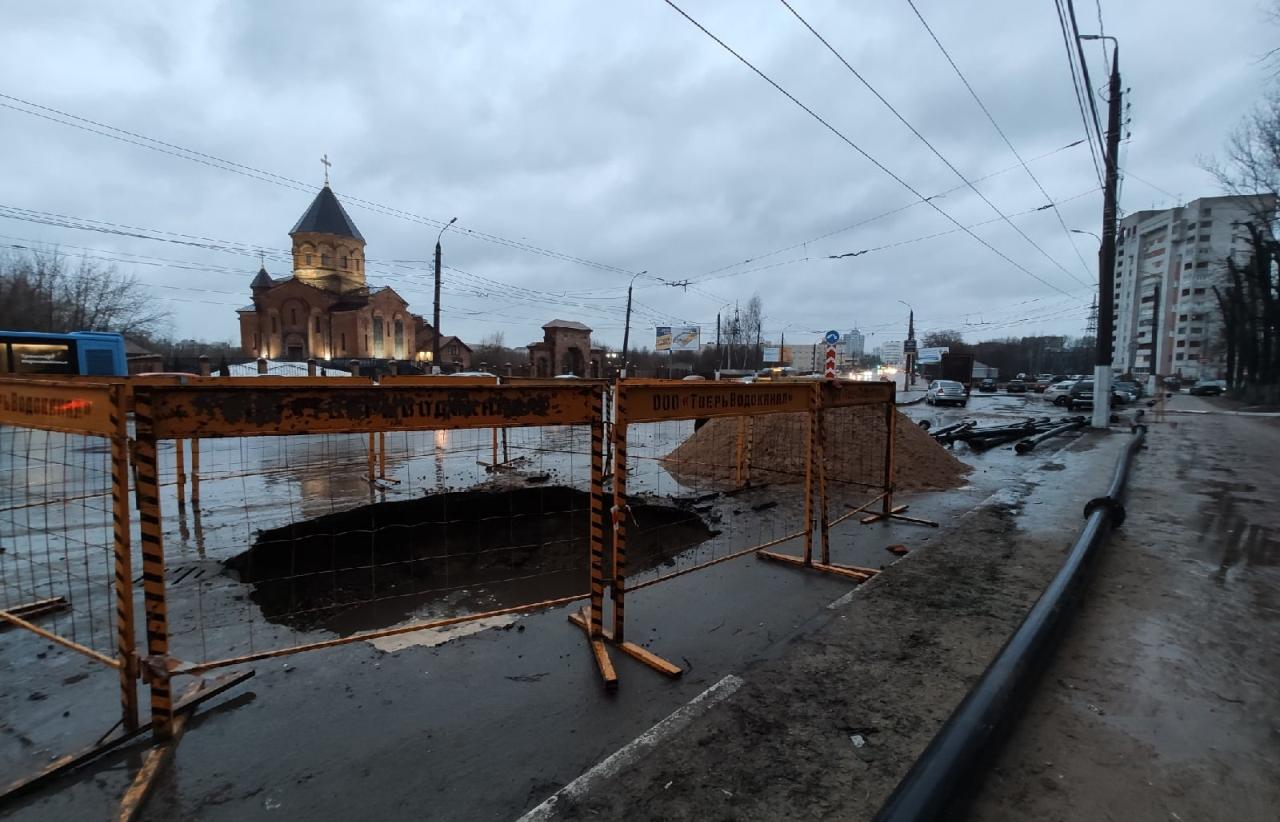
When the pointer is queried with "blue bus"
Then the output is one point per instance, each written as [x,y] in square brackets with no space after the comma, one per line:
[94,353]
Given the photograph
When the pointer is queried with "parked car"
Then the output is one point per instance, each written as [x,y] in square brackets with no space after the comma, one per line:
[987,386]
[1134,388]
[1057,393]
[1080,395]
[1173,383]
[946,391]
[1042,383]
[1016,387]
[1208,388]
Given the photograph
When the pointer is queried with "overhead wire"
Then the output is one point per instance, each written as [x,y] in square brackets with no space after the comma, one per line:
[1094,149]
[880,216]
[930,145]
[991,118]
[844,138]
[164,147]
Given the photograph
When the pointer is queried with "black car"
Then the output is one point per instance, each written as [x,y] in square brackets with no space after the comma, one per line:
[1208,388]
[1016,387]
[1081,396]
[988,385]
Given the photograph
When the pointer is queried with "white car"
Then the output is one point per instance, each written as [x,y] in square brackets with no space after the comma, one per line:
[1057,393]
[946,391]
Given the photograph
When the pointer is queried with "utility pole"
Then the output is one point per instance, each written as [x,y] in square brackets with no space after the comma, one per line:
[719,363]
[1107,252]
[911,358]
[626,330]
[435,311]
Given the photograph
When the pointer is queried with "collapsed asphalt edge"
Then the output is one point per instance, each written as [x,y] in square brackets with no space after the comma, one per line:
[942,779]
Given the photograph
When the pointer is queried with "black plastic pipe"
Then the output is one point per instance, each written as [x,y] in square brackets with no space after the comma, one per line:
[1029,444]
[940,783]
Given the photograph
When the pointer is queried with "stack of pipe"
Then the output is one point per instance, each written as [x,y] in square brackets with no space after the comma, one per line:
[1030,430]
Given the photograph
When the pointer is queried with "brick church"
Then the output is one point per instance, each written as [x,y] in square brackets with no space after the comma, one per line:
[326,310]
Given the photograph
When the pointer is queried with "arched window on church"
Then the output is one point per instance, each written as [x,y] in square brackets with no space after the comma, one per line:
[325,261]
[344,262]
[317,325]
[308,259]
[293,316]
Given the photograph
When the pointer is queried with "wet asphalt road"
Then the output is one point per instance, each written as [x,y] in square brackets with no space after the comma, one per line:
[479,728]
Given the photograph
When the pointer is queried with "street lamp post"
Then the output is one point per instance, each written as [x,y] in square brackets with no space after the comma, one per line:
[435,311]
[626,330]
[1107,249]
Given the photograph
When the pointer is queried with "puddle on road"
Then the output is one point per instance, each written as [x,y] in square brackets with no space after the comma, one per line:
[375,565]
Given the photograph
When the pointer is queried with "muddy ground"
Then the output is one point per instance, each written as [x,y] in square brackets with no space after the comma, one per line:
[1162,703]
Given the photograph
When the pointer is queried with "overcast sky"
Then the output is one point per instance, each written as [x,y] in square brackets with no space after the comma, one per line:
[616,134]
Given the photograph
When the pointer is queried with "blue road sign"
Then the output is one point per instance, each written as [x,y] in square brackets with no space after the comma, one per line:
[832,337]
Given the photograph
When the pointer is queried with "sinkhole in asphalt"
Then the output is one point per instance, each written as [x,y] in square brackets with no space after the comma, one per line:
[455,552]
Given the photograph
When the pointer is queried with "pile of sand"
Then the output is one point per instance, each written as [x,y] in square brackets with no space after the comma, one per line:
[854,446]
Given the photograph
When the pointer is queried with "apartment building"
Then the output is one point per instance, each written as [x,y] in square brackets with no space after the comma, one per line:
[1167,319]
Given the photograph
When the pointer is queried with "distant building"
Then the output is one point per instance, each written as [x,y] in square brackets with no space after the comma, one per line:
[565,348]
[891,353]
[852,345]
[141,360]
[1167,320]
[808,358]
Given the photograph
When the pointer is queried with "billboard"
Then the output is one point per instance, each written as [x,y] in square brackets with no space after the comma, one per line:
[677,338]
[928,356]
[772,353]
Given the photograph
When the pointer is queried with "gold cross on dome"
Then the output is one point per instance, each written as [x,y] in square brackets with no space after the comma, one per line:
[325,161]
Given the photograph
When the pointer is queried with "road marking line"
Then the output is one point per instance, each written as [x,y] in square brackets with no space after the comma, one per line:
[632,752]
[842,600]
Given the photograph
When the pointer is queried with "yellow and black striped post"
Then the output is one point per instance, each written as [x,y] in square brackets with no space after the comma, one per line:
[596,617]
[195,471]
[820,462]
[154,602]
[593,621]
[890,433]
[373,457]
[382,455]
[122,544]
[180,470]
[810,454]
[618,588]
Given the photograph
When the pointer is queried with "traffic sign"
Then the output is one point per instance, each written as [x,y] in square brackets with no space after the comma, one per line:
[832,337]
[829,372]
[909,347]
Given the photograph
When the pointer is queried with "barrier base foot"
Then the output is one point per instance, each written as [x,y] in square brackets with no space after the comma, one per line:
[853,572]
[159,756]
[631,649]
[879,515]
[598,651]
[116,738]
[38,607]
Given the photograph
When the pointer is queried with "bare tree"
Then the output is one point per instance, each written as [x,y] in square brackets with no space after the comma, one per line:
[42,292]
[1250,299]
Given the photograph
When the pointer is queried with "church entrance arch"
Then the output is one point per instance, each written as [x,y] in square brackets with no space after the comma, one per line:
[295,347]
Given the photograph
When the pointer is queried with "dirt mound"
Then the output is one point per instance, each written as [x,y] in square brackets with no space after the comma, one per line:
[855,452]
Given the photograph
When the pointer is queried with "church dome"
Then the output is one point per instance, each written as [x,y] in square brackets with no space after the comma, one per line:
[327,216]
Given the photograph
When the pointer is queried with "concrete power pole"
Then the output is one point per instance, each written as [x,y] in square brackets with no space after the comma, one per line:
[911,357]
[1107,257]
